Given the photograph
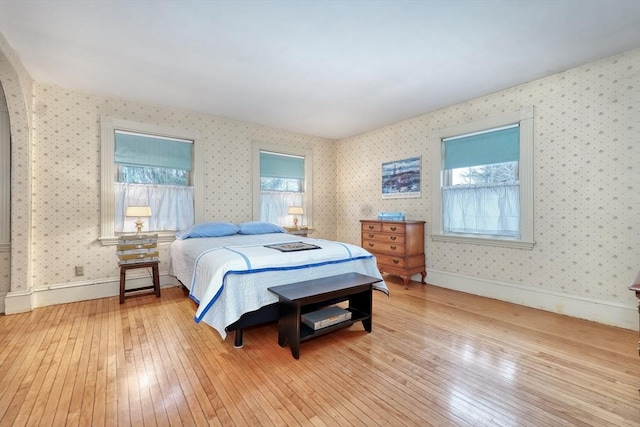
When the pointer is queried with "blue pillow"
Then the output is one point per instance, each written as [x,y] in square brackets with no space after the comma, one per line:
[208,229]
[257,227]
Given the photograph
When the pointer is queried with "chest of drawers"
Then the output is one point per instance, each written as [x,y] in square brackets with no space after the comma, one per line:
[397,245]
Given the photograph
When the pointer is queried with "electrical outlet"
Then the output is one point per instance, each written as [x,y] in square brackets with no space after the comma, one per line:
[79,270]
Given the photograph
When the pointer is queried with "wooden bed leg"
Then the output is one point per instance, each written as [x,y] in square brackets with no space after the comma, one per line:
[238,341]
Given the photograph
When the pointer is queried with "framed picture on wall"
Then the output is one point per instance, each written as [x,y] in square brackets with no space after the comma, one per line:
[401,178]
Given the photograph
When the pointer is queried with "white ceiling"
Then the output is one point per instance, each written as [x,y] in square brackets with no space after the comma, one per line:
[324,68]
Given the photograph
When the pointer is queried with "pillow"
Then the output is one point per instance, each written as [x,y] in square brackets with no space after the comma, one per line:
[208,229]
[257,227]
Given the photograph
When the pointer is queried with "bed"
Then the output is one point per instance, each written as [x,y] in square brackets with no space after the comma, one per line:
[227,274]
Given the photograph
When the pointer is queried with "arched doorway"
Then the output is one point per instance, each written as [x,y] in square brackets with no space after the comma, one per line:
[5,197]
[17,86]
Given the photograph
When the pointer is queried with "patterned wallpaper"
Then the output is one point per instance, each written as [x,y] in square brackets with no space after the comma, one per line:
[66,177]
[587,182]
[587,225]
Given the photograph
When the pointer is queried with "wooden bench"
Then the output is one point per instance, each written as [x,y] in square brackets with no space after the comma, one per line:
[296,299]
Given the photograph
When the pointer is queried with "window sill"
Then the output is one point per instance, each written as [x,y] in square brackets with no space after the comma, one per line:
[474,240]
[162,238]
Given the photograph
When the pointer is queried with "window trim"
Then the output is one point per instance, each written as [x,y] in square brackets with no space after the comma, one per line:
[524,117]
[108,173]
[308,175]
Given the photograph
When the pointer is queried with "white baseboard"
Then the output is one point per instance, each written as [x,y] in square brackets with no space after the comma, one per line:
[19,302]
[606,312]
[600,311]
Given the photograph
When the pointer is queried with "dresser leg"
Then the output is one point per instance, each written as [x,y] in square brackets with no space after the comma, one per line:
[424,276]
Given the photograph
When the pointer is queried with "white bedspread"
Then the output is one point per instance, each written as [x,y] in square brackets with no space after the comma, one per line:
[229,276]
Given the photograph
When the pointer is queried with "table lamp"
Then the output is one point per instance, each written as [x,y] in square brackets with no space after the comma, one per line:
[295,211]
[139,211]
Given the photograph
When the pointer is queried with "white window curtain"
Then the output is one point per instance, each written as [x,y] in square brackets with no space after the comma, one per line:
[171,206]
[274,205]
[491,209]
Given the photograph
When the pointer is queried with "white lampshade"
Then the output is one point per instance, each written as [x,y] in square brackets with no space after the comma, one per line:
[295,210]
[138,211]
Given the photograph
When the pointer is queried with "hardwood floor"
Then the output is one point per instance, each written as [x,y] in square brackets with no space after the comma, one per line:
[435,357]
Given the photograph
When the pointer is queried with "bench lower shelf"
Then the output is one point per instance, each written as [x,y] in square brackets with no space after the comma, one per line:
[307,332]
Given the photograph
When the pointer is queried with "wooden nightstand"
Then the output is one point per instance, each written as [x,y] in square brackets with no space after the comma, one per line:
[138,251]
[302,231]
[156,278]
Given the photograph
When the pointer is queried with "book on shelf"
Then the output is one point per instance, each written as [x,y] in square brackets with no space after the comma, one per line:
[142,257]
[325,317]
[137,239]
[134,246]
[136,251]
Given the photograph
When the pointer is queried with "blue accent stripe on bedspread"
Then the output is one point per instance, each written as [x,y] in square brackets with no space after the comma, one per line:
[347,248]
[198,318]
[195,270]
[243,257]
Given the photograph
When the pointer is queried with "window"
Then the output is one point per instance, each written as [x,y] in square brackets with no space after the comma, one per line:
[480,188]
[283,180]
[152,166]
[483,192]
[151,159]
[153,171]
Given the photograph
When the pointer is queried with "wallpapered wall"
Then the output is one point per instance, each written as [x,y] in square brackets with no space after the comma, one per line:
[587,225]
[587,182]
[66,177]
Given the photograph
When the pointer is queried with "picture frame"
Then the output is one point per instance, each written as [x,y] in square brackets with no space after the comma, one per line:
[402,178]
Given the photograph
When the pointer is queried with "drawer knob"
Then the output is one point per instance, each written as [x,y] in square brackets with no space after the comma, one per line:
[395,261]
[393,237]
[393,248]
[371,236]
[393,228]
[370,245]
[371,227]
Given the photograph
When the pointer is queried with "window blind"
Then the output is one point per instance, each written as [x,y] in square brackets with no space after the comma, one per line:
[155,151]
[275,165]
[486,148]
